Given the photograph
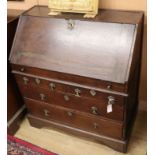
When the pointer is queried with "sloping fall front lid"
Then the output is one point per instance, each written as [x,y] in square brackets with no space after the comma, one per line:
[91,49]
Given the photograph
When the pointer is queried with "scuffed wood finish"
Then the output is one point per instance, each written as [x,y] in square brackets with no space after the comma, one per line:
[75,119]
[60,49]
[101,55]
[84,103]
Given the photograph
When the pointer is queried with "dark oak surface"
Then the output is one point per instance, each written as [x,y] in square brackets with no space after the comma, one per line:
[101,54]
[80,51]
[75,119]
[83,103]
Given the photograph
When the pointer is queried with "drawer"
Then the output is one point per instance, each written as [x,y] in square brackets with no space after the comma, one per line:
[108,86]
[69,88]
[84,104]
[75,119]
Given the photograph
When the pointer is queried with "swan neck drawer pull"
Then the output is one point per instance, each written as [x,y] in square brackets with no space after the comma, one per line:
[26,80]
[94,110]
[77,92]
[46,112]
[52,86]
[93,92]
[37,81]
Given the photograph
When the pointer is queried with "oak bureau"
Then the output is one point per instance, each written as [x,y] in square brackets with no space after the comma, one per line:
[80,76]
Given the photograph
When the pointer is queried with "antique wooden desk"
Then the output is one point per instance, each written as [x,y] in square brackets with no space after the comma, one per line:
[80,75]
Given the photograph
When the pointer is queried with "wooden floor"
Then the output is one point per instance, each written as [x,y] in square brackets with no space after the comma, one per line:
[64,144]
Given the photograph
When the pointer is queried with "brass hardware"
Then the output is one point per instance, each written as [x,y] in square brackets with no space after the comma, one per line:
[70,113]
[22,69]
[42,97]
[77,92]
[95,125]
[111,100]
[46,112]
[94,110]
[37,81]
[71,24]
[52,86]
[26,80]
[66,97]
[109,86]
[93,92]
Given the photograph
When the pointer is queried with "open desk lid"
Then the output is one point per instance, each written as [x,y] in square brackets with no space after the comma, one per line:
[91,49]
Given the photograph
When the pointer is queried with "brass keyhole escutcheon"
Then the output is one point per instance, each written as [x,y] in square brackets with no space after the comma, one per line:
[26,80]
[111,100]
[95,125]
[66,97]
[94,110]
[42,97]
[70,113]
[71,24]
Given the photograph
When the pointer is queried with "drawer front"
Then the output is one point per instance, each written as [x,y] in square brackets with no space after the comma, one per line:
[75,90]
[93,106]
[108,86]
[75,119]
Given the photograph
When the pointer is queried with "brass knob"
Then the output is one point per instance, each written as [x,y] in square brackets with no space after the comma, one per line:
[93,92]
[42,97]
[26,80]
[71,24]
[22,69]
[109,86]
[46,112]
[70,113]
[66,97]
[95,125]
[77,92]
[94,110]
[37,81]
[52,86]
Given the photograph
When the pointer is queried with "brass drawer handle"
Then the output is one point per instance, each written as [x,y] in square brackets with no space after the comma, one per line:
[71,24]
[70,113]
[66,97]
[46,112]
[37,81]
[52,86]
[77,92]
[93,92]
[42,97]
[95,125]
[94,110]
[26,80]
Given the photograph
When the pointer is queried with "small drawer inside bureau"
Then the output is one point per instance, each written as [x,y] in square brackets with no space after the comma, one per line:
[75,119]
[94,106]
